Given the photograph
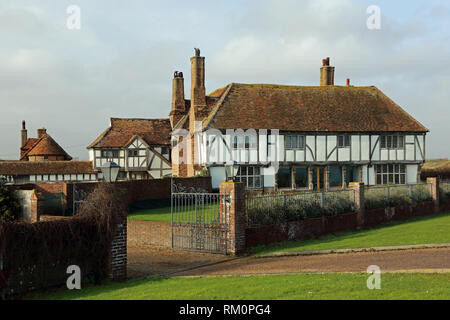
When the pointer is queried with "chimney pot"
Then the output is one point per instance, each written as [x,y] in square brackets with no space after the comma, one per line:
[326,73]
[41,132]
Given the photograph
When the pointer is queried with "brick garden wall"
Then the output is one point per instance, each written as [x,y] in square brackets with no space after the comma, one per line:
[300,230]
[306,229]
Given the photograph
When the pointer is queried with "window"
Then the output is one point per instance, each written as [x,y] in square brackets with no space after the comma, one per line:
[133,153]
[165,150]
[344,141]
[392,142]
[351,174]
[294,142]
[390,174]
[335,176]
[301,177]
[241,142]
[110,153]
[250,177]
[271,144]
[284,177]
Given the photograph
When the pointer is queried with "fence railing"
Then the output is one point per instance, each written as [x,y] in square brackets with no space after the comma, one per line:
[280,208]
[395,195]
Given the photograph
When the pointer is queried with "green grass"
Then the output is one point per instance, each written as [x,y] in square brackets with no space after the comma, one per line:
[155,214]
[424,230]
[163,214]
[273,287]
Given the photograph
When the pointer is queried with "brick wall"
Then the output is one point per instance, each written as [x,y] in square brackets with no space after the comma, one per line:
[313,228]
[149,233]
[118,266]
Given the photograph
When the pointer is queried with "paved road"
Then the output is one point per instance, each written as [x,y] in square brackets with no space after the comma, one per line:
[404,260]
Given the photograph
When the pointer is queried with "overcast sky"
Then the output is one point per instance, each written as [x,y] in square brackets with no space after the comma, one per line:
[121,62]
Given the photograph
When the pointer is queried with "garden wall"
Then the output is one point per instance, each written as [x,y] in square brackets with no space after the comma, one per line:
[149,233]
[300,230]
[312,228]
[137,190]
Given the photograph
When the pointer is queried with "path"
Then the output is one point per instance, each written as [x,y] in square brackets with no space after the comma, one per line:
[405,260]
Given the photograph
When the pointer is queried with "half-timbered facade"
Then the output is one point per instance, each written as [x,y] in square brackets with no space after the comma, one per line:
[141,147]
[295,137]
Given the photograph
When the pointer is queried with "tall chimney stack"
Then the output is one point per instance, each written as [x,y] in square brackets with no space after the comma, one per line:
[41,132]
[198,91]
[24,134]
[178,103]
[326,73]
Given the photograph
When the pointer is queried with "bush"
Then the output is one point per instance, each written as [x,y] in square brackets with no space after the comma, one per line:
[37,254]
[9,204]
[266,210]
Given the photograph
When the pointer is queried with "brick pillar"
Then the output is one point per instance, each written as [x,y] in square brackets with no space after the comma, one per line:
[232,210]
[434,192]
[358,187]
[36,206]
[118,267]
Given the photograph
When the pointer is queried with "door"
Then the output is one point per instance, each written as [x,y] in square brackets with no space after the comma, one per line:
[318,177]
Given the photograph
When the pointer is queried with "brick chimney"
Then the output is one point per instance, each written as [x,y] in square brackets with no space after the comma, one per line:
[24,134]
[41,132]
[326,73]
[198,91]
[178,103]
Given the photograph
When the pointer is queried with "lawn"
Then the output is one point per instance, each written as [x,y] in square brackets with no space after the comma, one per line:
[163,214]
[423,230]
[271,287]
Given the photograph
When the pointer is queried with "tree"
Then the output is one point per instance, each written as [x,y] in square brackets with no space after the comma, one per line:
[9,204]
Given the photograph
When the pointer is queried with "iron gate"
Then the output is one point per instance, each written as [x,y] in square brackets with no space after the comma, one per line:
[200,222]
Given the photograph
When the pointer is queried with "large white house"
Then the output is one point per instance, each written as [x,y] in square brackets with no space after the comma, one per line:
[294,137]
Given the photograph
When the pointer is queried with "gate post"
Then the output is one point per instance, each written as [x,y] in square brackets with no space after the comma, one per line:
[434,192]
[232,210]
[358,188]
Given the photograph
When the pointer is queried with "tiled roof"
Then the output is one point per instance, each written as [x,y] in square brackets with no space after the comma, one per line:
[309,109]
[152,131]
[44,146]
[31,142]
[45,167]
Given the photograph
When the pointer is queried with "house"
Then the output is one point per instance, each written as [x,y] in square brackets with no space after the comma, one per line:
[42,160]
[141,147]
[42,148]
[293,137]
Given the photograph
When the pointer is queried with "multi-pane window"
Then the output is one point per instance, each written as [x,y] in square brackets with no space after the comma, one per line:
[247,142]
[390,173]
[344,141]
[271,144]
[110,153]
[392,142]
[294,142]
[250,177]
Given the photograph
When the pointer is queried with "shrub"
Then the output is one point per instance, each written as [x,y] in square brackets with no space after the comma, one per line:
[265,210]
[37,254]
[9,204]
